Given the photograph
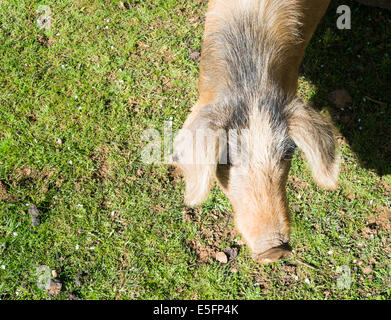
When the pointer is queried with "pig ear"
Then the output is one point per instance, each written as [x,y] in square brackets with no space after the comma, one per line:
[315,137]
[197,151]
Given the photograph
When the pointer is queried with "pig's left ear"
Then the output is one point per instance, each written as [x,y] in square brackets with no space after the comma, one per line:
[197,150]
[315,137]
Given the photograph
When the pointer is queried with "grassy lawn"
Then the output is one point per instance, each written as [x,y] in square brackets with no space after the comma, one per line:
[75,98]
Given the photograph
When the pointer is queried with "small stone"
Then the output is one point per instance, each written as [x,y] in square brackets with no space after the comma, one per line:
[221,257]
[59,142]
[54,287]
[54,273]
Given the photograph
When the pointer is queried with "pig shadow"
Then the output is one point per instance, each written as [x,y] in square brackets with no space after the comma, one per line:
[358,60]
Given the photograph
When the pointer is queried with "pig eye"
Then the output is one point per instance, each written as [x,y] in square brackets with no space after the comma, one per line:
[289,150]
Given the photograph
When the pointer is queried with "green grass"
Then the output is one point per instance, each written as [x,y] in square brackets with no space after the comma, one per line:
[115,228]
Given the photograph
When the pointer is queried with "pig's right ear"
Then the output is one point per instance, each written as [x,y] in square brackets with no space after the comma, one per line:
[197,150]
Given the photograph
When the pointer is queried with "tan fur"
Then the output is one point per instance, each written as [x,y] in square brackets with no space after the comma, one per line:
[314,135]
[256,189]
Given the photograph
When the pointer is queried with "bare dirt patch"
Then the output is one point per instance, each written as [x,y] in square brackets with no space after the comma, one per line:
[297,183]
[100,160]
[25,173]
[4,196]
[290,272]
[212,235]
[381,221]
[174,173]
[45,41]
[386,186]
[204,252]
